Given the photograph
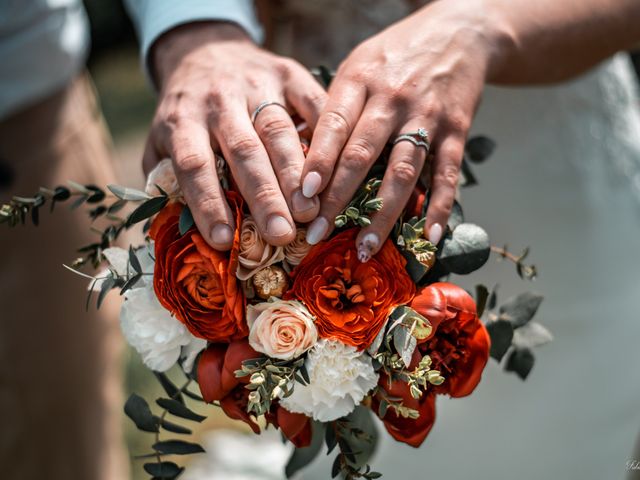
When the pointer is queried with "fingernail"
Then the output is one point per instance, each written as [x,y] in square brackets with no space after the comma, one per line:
[222,234]
[278,226]
[369,244]
[301,203]
[435,233]
[311,184]
[317,230]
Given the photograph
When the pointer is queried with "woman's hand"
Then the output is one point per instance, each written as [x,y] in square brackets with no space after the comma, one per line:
[426,71]
[211,78]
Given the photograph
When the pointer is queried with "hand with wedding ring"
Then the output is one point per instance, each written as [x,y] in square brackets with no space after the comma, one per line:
[415,85]
[213,79]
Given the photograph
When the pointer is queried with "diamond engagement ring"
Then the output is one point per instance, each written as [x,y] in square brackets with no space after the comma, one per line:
[262,106]
[419,139]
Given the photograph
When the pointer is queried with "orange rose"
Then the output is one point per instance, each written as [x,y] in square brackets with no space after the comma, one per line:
[196,283]
[218,382]
[351,300]
[406,430]
[459,342]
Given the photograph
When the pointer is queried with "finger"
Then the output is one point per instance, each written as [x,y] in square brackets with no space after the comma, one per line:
[402,173]
[305,94]
[194,164]
[444,183]
[251,169]
[282,143]
[151,156]
[334,127]
[359,154]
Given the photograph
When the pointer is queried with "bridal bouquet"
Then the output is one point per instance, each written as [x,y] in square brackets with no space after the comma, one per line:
[306,339]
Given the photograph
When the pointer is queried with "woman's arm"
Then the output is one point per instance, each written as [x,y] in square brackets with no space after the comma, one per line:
[428,71]
[556,39]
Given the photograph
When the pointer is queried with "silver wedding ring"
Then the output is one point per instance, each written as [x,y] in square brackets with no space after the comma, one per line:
[419,138]
[262,106]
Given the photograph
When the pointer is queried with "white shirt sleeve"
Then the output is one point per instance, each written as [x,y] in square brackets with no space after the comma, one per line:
[152,18]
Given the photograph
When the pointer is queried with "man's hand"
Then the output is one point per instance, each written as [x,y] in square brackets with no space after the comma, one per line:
[211,77]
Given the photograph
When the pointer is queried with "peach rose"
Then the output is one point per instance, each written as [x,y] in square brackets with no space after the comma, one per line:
[162,176]
[255,252]
[298,249]
[281,329]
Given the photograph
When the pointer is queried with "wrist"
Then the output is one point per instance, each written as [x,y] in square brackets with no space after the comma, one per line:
[180,42]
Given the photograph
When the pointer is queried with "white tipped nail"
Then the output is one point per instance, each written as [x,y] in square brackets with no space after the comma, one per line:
[311,184]
[317,230]
[370,243]
[435,233]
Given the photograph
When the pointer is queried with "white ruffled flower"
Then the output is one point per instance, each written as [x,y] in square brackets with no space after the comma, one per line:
[340,377]
[162,176]
[118,259]
[151,330]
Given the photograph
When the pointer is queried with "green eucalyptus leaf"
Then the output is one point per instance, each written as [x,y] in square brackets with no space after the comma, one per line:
[174,407]
[177,447]
[330,438]
[414,268]
[163,470]
[531,335]
[107,284]
[362,446]
[521,362]
[468,177]
[147,209]
[479,148]
[126,193]
[133,260]
[175,428]
[168,386]
[456,217]
[521,308]
[130,283]
[302,457]
[186,220]
[137,409]
[465,250]
[501,333]
[482,295]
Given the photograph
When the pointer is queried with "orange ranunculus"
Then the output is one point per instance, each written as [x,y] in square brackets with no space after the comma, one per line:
[218,382]
[196,283]
[407,430]
[459,343]
[351,300]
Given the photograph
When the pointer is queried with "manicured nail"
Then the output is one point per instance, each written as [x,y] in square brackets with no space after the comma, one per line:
[317,230]
[277,226]
[222,234]
[301,203]
[369,244]
[435,233]
[311,184]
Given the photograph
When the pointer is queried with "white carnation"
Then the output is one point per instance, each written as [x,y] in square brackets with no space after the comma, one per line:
[152,331]
[340,377]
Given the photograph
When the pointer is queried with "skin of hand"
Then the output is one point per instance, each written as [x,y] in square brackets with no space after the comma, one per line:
[428,71]
[211,78]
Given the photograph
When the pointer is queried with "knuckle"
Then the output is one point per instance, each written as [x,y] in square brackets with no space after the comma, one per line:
[275,126]
[356,156]
[242,147]
[404,172]
[337,120]
[459,122]
[265,196]
[448,175]
[190,162]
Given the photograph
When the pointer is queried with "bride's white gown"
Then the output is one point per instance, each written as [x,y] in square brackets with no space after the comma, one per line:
[565,179]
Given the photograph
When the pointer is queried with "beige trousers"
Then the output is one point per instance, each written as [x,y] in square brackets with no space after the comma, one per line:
[60,392]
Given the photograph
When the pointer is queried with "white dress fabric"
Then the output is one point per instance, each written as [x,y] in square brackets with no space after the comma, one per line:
[565,179]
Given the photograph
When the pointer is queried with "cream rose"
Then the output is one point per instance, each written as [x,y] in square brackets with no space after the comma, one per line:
[281,329]
[162,176]
[298,249]
[255,253]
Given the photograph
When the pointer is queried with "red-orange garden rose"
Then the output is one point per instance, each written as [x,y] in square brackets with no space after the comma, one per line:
[196,283]
[459,343]
[351,300]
